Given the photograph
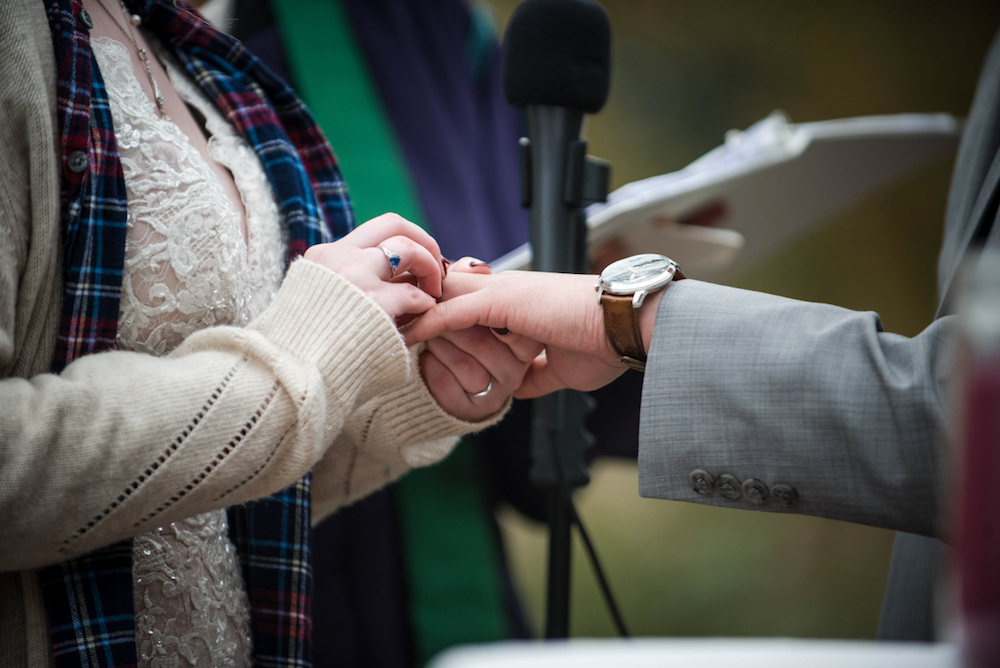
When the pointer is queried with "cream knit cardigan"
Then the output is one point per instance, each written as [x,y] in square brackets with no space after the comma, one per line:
[321,380]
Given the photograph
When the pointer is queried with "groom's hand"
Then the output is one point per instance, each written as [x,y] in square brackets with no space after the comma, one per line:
[525,309]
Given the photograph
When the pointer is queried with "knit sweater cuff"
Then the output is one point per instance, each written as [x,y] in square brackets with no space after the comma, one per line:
[322,318]
[430,432]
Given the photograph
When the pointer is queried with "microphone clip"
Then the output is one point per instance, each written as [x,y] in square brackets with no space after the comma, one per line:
[587,177]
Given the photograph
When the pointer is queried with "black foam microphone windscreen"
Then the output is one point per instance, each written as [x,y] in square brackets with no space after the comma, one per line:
[558,53]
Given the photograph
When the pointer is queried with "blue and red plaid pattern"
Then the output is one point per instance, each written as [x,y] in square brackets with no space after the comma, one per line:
[277,572]
[89,599]
[93,199]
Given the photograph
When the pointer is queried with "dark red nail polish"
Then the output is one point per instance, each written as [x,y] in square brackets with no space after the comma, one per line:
[479,263]
[501,331]
[445,263]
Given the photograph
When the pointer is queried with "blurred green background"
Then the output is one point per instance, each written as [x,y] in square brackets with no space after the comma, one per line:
[682,74]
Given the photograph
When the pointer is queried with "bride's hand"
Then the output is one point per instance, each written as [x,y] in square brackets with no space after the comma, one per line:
[391,260]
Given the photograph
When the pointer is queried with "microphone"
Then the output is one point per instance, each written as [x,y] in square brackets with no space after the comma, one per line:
[558,54]
[557,67]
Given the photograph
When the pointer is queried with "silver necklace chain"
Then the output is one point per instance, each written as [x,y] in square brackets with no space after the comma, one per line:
[135,20]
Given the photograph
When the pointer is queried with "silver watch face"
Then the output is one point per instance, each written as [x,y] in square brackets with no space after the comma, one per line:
[639,272]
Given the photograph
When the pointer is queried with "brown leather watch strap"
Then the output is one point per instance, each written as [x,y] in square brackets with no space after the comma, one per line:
[622,327]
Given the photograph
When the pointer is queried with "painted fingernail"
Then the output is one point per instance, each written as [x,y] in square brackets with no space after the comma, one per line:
[445,263]
[479,263]
[500,331]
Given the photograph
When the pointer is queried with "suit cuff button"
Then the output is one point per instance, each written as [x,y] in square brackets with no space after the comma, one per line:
[728,486]
[701,482]
[784,495]
[754,491]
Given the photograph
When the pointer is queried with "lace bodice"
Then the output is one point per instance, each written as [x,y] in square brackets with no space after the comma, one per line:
[187,267]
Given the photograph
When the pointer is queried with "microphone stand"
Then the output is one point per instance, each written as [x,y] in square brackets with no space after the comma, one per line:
[558,178]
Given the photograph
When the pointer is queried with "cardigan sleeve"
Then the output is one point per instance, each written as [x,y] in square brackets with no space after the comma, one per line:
[122,442]
[401,429]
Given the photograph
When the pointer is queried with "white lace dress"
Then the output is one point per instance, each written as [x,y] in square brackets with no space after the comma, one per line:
[187,267]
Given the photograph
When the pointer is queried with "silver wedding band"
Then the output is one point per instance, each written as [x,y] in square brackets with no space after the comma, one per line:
[480,395]
[393,259]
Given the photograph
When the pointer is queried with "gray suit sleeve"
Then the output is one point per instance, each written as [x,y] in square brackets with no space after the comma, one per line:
[810,396]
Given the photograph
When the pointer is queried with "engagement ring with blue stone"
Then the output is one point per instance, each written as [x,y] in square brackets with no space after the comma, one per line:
[392,258]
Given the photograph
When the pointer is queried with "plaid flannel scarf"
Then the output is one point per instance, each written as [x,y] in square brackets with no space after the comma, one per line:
[89,598]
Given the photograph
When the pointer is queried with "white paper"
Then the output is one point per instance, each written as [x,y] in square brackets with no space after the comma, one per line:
[773,181]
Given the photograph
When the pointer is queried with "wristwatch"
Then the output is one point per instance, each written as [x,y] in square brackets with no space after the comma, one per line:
[621,289]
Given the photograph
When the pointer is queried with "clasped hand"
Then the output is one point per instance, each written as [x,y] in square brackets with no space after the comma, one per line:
[398,265]
[552,320]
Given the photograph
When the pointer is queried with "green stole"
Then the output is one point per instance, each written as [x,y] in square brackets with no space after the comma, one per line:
[449,548]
